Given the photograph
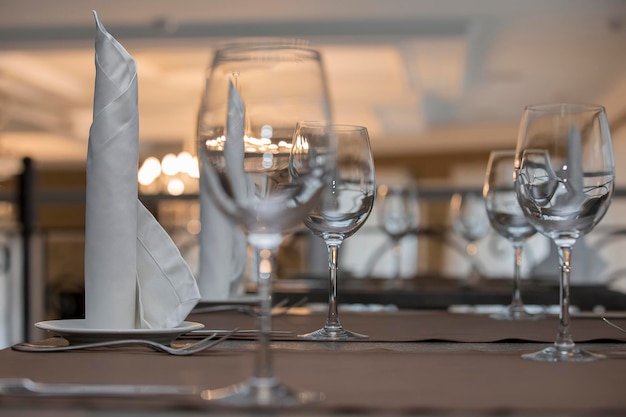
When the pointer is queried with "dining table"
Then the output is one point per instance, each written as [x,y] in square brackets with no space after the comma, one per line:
[419,362]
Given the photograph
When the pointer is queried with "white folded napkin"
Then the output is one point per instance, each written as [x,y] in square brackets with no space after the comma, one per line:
[223,246]
[223,252]
[135,277]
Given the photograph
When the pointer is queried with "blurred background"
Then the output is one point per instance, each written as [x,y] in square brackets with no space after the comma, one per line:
[438,83]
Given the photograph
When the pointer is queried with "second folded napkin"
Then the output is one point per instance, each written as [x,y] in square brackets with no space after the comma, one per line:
[135,277]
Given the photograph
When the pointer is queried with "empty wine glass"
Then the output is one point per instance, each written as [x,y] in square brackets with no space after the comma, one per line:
[345,205]
[398,215]
[261,173]
[508,220]
[470,221]
[565,175]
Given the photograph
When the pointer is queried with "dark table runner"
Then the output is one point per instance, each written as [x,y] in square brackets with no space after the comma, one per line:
[436,292]
[414,326]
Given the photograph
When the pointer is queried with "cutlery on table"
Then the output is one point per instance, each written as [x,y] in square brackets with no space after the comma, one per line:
[615,326]
[241,334]
[25,386]
[185,350]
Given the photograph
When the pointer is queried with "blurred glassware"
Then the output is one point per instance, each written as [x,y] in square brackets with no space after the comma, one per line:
[345,206]
[564,179]
[263,174]
[470,221]
[508,220]
[398,215]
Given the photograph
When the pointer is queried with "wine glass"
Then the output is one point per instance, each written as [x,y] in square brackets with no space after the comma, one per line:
[345,206]
[470,221]
[262,173]
[398,215]
[564,179]
[508,220]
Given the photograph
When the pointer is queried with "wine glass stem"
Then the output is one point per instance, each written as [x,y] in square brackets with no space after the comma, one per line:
[517,276]
[332,320]
[474,276]
[263,367]
[564,338]
[397,253]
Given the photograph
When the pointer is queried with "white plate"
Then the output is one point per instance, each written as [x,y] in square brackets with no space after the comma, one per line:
[238,300]
[77,331]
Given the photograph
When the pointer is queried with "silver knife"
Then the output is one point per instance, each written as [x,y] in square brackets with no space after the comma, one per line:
[25,386]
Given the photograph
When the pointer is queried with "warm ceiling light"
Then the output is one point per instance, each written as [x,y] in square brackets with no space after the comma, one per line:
[174,174]
[149,171]
[169,164]
[175,187]
[185,162]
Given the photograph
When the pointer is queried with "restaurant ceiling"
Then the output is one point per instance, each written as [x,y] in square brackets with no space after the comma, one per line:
[424,76]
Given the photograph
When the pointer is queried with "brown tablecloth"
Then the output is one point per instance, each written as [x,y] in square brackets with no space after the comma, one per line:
[394,375]
[370,381]
[415,326]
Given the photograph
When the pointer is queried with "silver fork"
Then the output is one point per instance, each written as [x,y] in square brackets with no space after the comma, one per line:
[187,349]
[610,323]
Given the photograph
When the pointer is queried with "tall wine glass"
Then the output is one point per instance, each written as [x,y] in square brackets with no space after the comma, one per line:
[470,221]
[398,215]
[565,175]
[345,205]
[261,173]
[508,220]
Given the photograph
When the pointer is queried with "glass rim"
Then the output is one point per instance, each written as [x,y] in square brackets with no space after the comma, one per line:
[235,47]
[334,126]
[345,127]
[564,107]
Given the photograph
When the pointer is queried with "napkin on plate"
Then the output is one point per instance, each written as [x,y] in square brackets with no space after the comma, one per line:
[135,277]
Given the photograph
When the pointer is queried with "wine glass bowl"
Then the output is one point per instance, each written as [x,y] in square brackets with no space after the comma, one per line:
[267,127]
[260,173]
[508,220]
[398,216]
[558,207]
[345,205]
[564,178]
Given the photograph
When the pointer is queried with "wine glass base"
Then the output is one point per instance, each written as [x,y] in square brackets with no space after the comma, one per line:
[261,393]
[332,334]
[515,313]
[395,283]
[555,354]
[472,281]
